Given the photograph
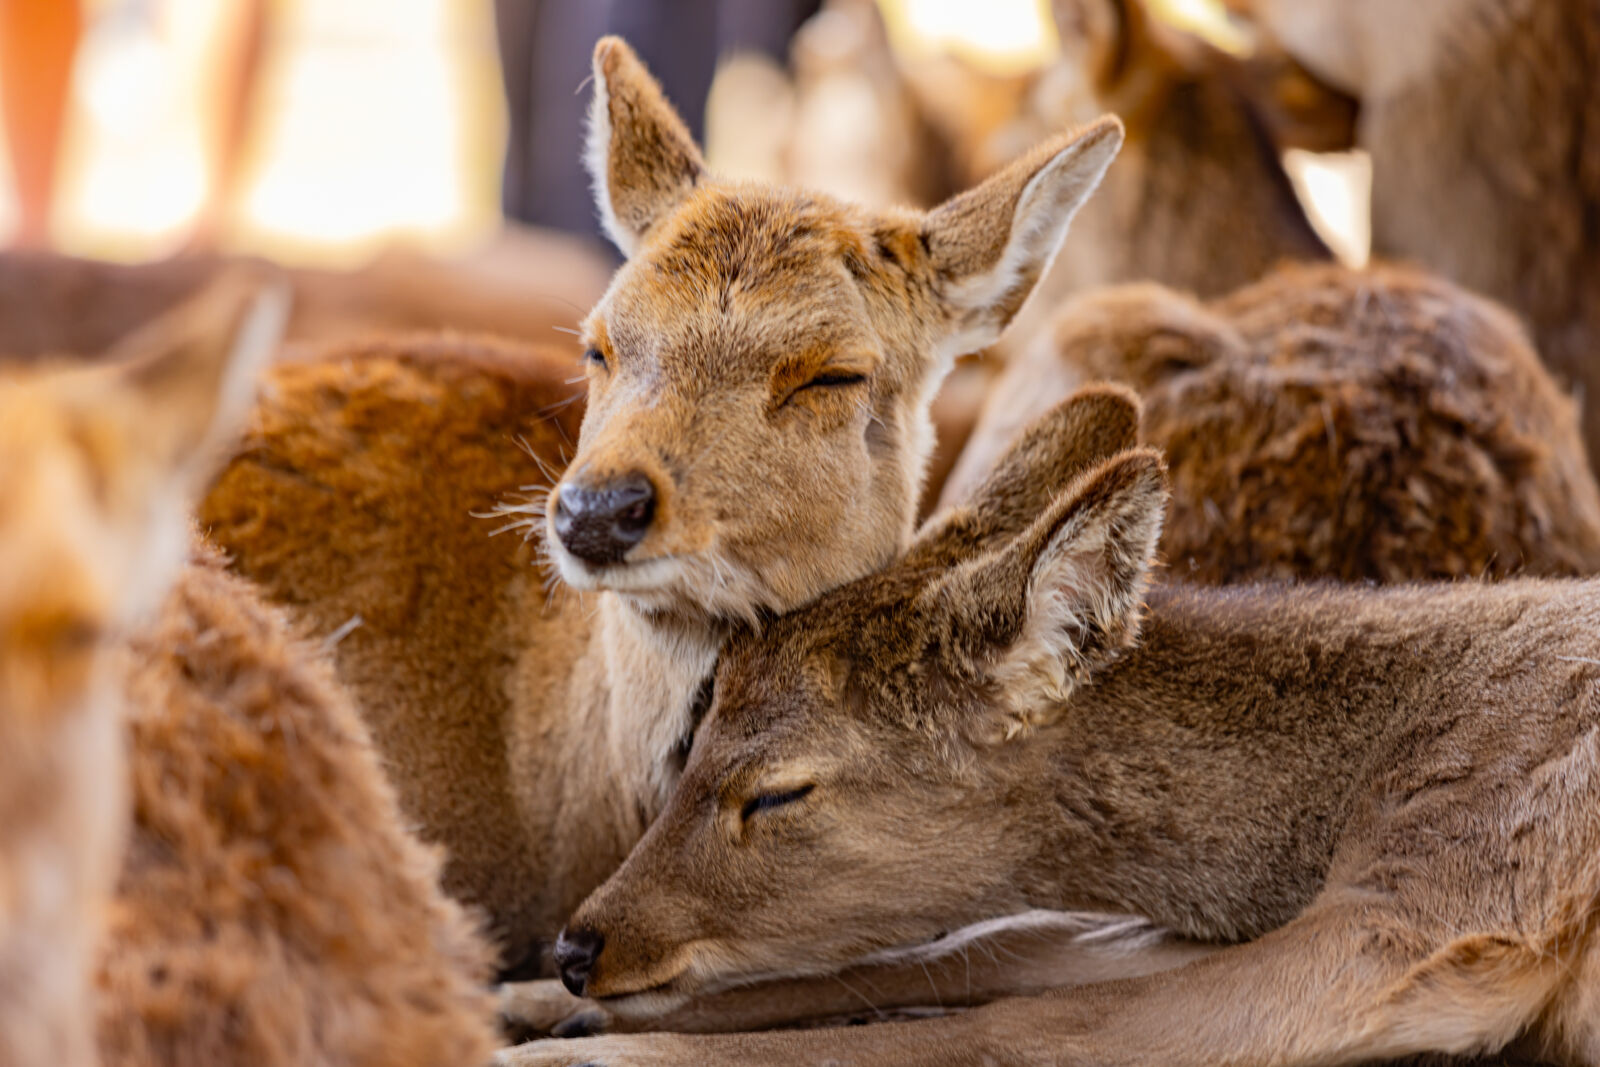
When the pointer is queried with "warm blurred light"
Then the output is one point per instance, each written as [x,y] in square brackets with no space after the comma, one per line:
[375,129]
[1336,189]
[376,121]
[8,195]
[133,172]
[1204,18]
[997,36]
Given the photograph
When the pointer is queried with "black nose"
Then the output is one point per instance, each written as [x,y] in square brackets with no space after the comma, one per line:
[599,523]
[576,951]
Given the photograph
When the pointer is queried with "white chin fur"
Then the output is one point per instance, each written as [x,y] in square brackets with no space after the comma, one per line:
[649,576]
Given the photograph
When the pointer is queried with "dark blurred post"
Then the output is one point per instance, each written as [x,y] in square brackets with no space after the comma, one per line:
[38,41]
[544,50]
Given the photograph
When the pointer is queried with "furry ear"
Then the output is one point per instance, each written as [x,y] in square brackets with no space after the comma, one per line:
[1063,598]
[639,153]
[989,246]
[192,372]
[1089,427]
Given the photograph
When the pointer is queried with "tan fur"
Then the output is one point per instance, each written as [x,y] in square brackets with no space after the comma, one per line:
[1388,797]
[1374,425]
[535,736]
[1480,117]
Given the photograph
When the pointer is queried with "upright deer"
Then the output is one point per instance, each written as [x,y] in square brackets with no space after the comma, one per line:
[1480,117]
[1385,802]
[759,378]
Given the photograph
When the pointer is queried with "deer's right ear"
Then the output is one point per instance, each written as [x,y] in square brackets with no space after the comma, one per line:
[989,246]
[639,153]
[1089,427]
[1034,619]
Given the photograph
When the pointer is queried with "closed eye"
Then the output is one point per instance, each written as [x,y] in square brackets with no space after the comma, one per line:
[834,380]
[768,801]
[595,357]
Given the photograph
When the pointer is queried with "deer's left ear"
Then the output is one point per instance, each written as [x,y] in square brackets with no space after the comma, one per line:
[988,247]
[1035,618]
[639,153]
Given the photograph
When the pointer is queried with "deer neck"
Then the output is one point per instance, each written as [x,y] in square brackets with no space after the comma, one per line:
[658,669]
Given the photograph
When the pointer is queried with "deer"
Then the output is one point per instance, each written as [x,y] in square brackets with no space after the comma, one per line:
[1377,806]
[1462,180]
[203,862]
[1378,425]
[758,380]
[98,466]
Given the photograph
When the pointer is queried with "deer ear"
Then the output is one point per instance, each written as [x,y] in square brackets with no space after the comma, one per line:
[639,153]
[989,246]
[192,372]
[1088,428]
[1063,598]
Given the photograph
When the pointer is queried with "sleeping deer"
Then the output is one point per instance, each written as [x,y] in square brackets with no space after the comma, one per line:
[759,377]
[1384,803]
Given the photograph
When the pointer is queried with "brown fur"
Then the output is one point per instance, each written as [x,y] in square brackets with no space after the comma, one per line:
[1375,425]
[534,736]
[1389,796]
[271,909]
[1480,116]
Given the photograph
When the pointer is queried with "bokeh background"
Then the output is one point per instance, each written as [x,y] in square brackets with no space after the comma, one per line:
[325,132]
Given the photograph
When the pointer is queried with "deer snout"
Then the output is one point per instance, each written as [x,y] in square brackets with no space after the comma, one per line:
[576,953]
[599,522]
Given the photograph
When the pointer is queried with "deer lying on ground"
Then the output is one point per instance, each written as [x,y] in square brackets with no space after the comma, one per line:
[1377,425]
[270,909]
[1385,802]
[1480,116]
[759,378]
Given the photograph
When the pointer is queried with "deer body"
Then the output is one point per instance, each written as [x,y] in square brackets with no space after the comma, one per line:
[1385,801]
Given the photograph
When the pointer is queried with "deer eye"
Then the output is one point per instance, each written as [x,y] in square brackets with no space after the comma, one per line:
[834,380]
[768,801]
[595,358]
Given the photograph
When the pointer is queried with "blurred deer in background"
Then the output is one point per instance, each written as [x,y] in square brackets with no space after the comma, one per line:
[271,907]
[1481,118]
[1378,425]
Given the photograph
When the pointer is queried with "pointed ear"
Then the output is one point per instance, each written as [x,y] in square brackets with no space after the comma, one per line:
[1064,598]
[1088,428]
[989,246]
[192,372]
[639,153]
